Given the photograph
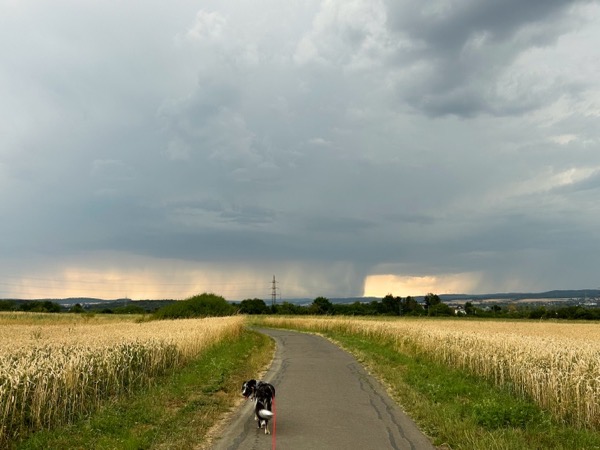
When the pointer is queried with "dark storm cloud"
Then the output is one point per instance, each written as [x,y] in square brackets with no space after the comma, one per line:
[464,49]
[338,225]
[447,26]
[327,141]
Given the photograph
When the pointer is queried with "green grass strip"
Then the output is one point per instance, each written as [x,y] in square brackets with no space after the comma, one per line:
[461,411]
[176,412]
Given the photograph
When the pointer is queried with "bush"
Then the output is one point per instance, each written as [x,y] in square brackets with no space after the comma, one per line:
[129,309]
[203,305]
[518,414]
[254,306]
[538,313]
[7,305]
[77,308]
[440,309]
[41,306]
[321,305]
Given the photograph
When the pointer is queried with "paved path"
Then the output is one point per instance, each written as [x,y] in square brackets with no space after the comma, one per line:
[325,400]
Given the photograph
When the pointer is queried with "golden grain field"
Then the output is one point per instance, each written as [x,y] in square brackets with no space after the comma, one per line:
[557,365]
[54,368]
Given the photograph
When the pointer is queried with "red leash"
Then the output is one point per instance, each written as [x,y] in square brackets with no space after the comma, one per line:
[274,426]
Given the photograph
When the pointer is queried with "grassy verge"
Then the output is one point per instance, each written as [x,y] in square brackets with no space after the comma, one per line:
[460,411]
[177,412]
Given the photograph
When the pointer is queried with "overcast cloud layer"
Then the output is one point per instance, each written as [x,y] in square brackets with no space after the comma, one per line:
[349,147]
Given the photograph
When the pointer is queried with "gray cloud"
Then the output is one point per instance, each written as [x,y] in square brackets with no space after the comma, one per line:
[327,142]
[464,51]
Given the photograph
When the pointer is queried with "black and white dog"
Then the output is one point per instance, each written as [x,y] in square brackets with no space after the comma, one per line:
[263,394]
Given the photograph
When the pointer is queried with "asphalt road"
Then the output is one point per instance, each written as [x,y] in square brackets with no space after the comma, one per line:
[325,400]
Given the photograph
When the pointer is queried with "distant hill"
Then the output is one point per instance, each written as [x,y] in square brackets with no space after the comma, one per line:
[98,304]
[506,297]
[520,296]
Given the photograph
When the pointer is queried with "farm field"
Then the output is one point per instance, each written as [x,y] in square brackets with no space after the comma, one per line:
[554,365]
[57,368]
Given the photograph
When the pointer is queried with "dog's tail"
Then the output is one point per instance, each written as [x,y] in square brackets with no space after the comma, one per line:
[265,414]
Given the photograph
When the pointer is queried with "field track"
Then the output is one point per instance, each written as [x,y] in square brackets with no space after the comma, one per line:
[325,400]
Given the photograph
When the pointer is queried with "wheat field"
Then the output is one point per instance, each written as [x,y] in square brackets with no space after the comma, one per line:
[557,365]
[55,368]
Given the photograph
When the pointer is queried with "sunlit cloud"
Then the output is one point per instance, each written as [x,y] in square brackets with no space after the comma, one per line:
[398,285]
[563,139]
[112,275]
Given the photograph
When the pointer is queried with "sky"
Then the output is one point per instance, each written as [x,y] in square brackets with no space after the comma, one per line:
[153,149]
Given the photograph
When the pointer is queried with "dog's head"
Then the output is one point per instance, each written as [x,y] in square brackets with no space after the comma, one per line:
[249,388]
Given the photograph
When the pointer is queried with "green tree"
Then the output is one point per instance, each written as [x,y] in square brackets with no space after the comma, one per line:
[7,305]
[391,305]
[538,313]
[496,309]
[432,300]
[469,308]
[129,309]
[354,309]
[41,306]
[77,308]
[376,308]
[321,305]
[253,306]
[288,308]
[440,309]
[203,305]
[411,307]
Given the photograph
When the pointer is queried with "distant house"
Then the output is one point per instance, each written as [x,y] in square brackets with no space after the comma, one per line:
[459,311]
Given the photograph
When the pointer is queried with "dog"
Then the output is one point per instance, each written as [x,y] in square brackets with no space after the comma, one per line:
[262,394]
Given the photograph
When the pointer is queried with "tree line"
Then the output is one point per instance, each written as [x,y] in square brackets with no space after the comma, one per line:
[204,305]
[389,305]
[432,305]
